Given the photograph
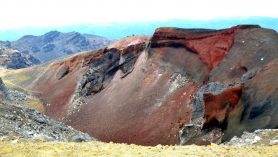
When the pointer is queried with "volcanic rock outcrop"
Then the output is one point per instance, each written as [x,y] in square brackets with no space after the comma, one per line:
[12,58]
[181,86]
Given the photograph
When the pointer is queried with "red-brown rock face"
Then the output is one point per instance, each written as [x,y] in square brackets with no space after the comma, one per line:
[184,85]
[212,49]
[218,106]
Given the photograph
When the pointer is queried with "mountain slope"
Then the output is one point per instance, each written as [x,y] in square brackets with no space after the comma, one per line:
[54,44]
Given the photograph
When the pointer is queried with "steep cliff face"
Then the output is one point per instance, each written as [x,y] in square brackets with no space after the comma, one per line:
[181,86]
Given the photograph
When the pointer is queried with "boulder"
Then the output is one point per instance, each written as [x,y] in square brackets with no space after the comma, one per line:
[4,91]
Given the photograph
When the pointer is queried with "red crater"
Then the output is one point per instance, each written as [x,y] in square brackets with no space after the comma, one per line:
[143,91]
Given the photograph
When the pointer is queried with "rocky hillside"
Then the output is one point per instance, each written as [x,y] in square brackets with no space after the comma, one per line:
[181,86]
[20,119]
[14,59]
[267,137]
[54,44]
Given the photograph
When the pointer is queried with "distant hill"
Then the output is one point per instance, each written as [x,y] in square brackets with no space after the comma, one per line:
[54,44]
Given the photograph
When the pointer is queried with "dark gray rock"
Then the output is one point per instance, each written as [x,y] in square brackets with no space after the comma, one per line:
[248,76]
[63,71]
[81,138]
[100,71]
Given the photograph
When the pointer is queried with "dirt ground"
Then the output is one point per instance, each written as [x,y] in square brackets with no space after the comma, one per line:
[67,149]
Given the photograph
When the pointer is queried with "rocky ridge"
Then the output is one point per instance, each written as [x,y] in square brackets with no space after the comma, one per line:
[54,44]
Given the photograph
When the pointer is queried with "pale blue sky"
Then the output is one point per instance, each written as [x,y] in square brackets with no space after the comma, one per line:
[41,13]
[103,17]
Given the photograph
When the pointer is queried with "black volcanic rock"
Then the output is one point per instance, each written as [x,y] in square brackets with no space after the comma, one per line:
[54,44]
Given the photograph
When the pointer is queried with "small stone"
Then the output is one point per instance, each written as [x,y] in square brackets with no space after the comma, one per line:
[273,142]
[81,138]
[256,139]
